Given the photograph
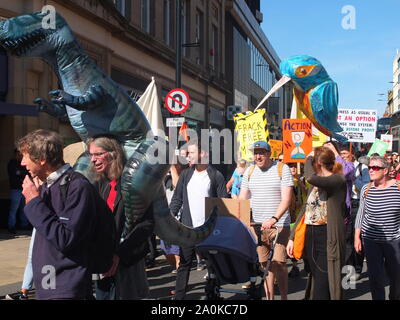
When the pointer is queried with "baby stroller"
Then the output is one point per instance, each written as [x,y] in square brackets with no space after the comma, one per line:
[231,257]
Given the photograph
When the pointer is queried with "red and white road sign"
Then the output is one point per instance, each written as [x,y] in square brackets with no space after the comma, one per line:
[177,101]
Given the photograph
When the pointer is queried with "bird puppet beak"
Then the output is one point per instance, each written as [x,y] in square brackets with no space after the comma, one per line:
[275,88]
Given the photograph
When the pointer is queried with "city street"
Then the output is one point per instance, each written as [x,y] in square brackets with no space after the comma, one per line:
[13,252]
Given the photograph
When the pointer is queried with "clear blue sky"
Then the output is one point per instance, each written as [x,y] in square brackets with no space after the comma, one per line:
[360,60]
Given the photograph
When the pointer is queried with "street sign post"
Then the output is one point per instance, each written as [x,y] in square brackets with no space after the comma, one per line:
[175,122]
[177,101]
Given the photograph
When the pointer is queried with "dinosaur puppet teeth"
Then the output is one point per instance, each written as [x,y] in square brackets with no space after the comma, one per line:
[24,43]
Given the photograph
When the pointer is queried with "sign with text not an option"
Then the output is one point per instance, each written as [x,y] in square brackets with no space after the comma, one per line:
[175,122]
[359,125]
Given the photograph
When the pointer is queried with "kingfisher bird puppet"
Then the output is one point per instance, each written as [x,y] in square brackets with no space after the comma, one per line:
[315,92]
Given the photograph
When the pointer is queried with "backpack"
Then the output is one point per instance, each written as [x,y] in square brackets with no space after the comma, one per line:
[280,166]
[104,238]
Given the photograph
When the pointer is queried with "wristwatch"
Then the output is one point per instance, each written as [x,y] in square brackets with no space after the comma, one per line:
[273,217]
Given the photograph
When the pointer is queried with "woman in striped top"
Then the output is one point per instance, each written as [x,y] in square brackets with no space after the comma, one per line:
[378,224]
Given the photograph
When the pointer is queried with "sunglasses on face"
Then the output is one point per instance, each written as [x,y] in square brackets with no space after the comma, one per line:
[375,168]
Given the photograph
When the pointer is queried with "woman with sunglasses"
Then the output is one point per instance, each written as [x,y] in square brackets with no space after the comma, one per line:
[324,211]
[377,229]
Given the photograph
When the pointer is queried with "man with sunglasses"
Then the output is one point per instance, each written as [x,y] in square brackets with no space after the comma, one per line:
[270,197]
[378,225]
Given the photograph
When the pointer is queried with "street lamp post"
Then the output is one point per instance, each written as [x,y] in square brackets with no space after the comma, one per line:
[178,80]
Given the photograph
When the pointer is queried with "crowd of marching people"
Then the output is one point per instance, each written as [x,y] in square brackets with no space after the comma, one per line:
[337,209]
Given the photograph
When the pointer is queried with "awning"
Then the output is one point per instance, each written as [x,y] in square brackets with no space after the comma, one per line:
[18,109]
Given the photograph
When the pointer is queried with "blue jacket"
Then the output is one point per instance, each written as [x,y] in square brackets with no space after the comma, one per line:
[61,243]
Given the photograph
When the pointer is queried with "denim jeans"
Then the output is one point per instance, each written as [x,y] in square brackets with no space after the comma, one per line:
[27,282]
[105,289]
[17,206]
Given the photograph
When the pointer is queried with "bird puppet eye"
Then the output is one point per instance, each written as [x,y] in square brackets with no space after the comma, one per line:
[304,71]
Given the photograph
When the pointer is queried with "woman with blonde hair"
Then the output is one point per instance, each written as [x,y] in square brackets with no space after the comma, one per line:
[324,211]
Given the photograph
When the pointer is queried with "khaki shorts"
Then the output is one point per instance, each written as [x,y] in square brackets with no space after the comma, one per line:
[280,247]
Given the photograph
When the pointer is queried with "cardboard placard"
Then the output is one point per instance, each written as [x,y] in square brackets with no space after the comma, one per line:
[276,148]
[379,147]
[229,207]
[250,127]
[359,125]
[388,138]
[297,139]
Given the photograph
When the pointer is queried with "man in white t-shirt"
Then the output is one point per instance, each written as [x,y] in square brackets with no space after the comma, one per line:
[269,187]
[194,185]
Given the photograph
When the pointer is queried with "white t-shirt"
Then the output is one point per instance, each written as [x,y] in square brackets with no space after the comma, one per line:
[198,189]
[265,189]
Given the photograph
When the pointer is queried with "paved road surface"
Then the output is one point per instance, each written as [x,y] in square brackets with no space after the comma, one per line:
[13,253]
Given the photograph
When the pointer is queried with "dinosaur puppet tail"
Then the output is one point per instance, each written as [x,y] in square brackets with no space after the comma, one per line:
[174,232]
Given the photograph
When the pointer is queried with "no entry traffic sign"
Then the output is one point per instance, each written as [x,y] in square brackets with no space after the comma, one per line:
[177,101]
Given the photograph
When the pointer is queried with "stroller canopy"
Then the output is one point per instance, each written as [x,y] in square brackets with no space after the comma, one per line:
[231,235]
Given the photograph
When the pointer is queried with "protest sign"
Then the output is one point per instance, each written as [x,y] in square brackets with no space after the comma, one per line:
[297,139]
[388,138]
[359,125]
[378,147]
[250,127]
[276,148]
[229,208]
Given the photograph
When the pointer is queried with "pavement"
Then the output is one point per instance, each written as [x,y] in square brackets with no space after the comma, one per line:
[14,250]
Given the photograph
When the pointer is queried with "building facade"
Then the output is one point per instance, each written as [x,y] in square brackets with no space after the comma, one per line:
[394,103]
[253,65]
[396,83]
[131,41]
[226,60]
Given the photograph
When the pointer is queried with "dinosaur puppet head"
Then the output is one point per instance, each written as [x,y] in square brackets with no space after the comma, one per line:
[30,36]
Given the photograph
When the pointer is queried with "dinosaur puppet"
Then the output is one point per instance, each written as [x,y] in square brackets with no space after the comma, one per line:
[96,105]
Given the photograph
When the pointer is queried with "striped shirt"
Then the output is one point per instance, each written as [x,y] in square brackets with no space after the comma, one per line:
[378,216]
[265,188]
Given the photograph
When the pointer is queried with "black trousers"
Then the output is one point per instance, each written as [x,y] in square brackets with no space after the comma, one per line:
[383,256]
[315,246]
[353,258]
[182,276]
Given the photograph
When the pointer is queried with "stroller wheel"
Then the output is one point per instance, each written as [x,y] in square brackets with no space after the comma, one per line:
[254,292]
[212,290]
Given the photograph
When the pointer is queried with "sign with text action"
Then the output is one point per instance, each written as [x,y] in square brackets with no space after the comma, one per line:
[359,125]
[297,139]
